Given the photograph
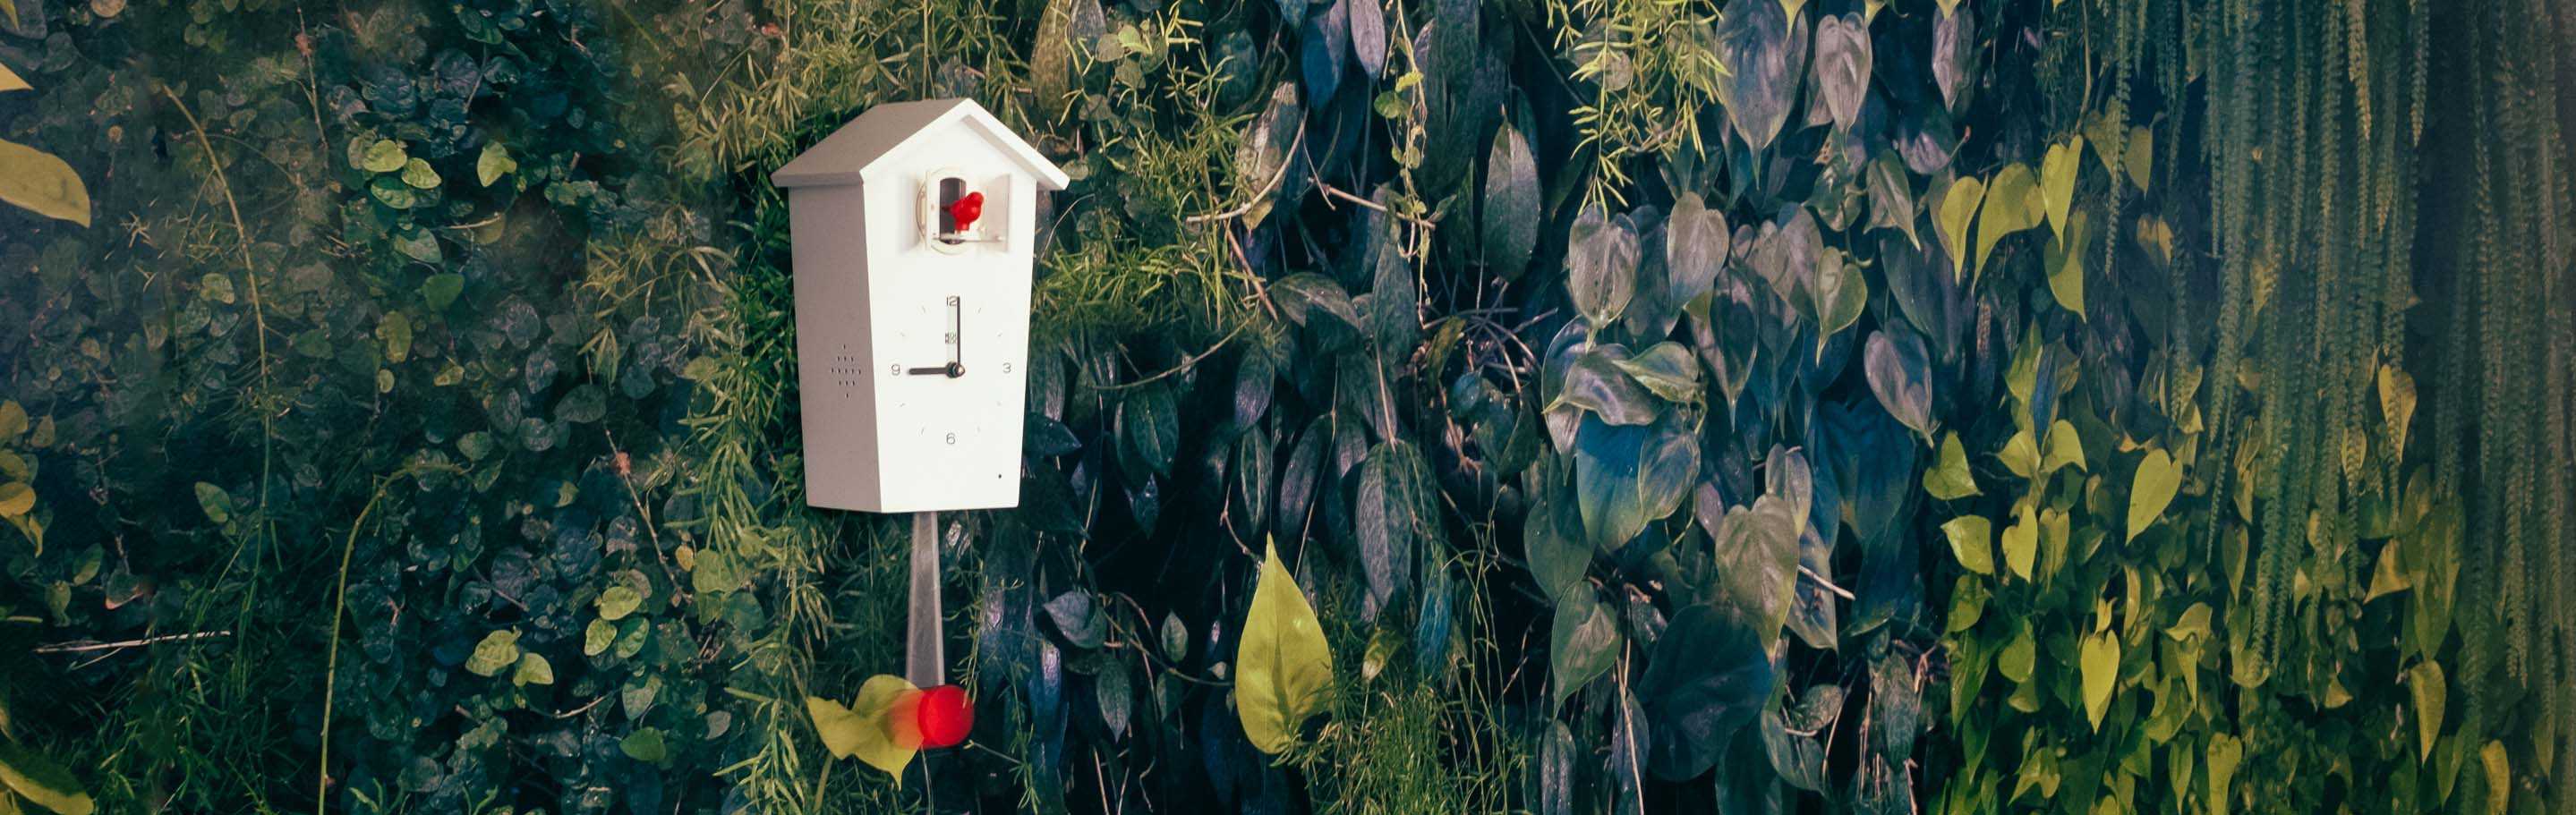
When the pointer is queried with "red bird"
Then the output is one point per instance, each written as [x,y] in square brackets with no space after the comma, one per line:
[965,210]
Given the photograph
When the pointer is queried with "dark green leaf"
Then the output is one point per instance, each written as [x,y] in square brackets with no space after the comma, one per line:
[1709,678]
[1511,214]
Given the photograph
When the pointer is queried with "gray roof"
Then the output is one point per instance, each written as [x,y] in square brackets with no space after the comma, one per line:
[844,156]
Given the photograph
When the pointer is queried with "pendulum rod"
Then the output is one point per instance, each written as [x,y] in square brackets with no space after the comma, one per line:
[923,662]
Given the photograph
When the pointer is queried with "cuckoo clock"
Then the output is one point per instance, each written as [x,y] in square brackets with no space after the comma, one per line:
[914,228]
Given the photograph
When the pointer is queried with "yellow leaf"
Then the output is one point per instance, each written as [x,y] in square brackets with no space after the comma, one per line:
[860,729]
[36,181]
[16,498]
[1283,668]
[10,81]
[2021,543]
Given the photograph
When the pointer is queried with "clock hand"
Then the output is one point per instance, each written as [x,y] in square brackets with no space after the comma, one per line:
[956,335]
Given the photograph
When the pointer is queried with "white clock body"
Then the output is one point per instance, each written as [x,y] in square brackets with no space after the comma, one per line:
[912,336]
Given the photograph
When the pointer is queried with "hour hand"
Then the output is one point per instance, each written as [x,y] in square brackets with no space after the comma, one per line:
[951,370]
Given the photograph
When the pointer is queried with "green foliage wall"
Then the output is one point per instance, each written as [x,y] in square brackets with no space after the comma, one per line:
[1820,405]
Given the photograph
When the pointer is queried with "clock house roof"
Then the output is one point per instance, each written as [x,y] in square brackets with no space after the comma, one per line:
[846,156]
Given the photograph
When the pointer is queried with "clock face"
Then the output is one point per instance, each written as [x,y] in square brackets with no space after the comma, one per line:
[955,390]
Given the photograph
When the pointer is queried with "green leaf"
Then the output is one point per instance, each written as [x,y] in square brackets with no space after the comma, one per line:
[533,670]
[2057,174]
[41,781]
[441,289]
[39,182]
[2013,203]
[619,601]
[1601,265]
[1552,539]
[645,744]
[1511,215]
[1841,294]
[2499,772]
[1668,369]
[384,156]
[2065,264]
[418,174]
[13,419]
[1582,644]
[1901,376]
[2064,448]
[2140,157]
[2225,752]
[1626,477]
[1756,558]
[1696,243]
[215,502]
[2100,662]
[1597,382]
[1952,209]
[1949,478]
[596,637]
[10,80]
[1972,542]
[2021,542]
[498,650]
[2432,693]
[1283,668]
[2151,489]
[494,163]
[2396,403]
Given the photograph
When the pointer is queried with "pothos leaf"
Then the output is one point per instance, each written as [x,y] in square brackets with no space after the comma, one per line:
[2432,693]
[10,80]
[2100,664]
[1625,477]
[1952,209]
[1756,558]
[1696,242]
[861,729]
[1972,542]
[1601,265]
[2151,489]
[1283,667]
[1667,369]
[2057,175]
[1842,66]
[2013,203]
[1582,644]
[1902,378]
[1756,44]
[1949,478]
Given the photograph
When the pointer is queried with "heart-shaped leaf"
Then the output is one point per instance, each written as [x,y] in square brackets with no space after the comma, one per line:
[1952,210]
[1972,542]
[1756,559]
[1842,66]
[2100,663]
[1949,478]
[1709,678]
[1901,377]
[1582,645]
[1601,265]
[1696,242]
[38,182]
[1667,370]
[2013,203]
[1627,476]
[2151,489]
[1762,57]
[2057,172]
[1511,214]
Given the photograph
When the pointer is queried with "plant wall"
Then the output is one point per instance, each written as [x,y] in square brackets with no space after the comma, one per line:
[1436,406]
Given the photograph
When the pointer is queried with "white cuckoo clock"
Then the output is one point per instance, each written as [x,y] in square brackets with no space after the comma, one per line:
[914,227]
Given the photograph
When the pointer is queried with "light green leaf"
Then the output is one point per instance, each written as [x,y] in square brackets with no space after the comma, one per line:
[2021,542]
[2151,490]
[2065,259]
[498,650]
[533,670]
[1949,478]
[2396,403]
[217,504]
[619,601]
[494,163]
[2101,666]
[1972,542]
[2432,693]
[860,730]
[2064,448]
[2140,157]
[441,289]
[39,182]
[419,174]
[1952,210]
[2391,575]
[2225,752]
[42,781]
[2013,203]
[2057,174]
[1283,667]
[2499,770]
[596,637]
[384,156]
[2020,455]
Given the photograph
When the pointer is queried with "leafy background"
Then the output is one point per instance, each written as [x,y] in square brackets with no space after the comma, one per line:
[1761,406]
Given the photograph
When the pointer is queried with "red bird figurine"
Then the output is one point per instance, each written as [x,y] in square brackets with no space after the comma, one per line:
[965,210]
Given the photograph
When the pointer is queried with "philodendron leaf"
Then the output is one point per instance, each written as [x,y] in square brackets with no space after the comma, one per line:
[2057,174]
[1755,43]
[1891,197]
[1696,243]
[1511,213]
[2151,490]
[41,781]
[1601,265]
[1709,678]
[1953,209]
[1841,293]
[1842,66]
[2021,542]
[1902,378]
[2013,203]
[1596,382]
[1757,565]
[1949,478]
[1283,669]
[1582,645]
[38,182]
[2100,664]
[1625,477]
[1667,369]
